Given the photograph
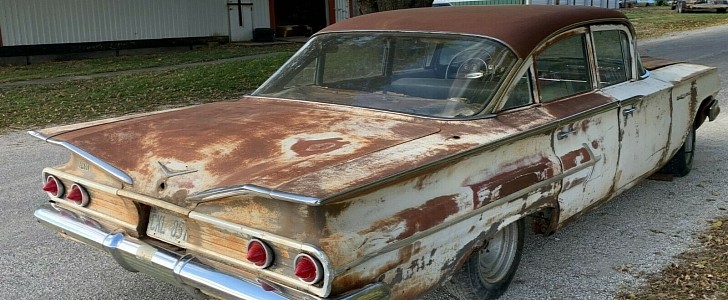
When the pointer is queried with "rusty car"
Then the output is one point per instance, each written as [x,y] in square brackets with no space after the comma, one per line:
[395,153]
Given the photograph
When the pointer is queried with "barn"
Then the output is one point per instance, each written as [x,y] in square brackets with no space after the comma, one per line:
[29,27]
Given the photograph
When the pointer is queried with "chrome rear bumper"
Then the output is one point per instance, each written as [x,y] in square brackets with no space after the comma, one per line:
[181,271]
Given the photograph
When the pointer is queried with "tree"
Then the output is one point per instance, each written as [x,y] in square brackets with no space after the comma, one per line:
[370,6]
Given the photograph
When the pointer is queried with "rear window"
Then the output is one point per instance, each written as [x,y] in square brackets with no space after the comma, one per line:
[437,75]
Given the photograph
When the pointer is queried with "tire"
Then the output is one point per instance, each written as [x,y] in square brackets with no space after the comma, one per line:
[487,273]
[681,164]
[721,10]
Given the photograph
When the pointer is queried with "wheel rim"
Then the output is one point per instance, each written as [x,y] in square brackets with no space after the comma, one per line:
[495,260]
[689,147]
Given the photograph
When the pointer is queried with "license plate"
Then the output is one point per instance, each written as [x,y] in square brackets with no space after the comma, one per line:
[167,227]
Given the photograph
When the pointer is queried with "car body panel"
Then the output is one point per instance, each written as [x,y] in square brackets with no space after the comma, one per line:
[390,204]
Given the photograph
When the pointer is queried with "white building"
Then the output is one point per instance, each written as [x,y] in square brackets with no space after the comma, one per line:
[42,22]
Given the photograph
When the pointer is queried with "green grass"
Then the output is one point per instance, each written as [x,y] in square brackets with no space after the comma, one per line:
[76,101]
[650,22]
[119,63]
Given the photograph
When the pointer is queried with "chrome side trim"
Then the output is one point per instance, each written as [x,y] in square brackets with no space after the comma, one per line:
[219,193]
[113,171]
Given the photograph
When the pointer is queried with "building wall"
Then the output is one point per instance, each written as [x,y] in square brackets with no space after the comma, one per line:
[261,14]
[342,10]
[37,22]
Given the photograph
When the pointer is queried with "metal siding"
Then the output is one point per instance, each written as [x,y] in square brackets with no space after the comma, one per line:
[261,14]
[341,10]
[37,22]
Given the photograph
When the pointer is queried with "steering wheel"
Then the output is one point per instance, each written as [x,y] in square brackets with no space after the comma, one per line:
[471,64]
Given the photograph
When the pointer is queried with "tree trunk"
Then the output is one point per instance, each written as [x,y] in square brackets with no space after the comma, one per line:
[370,6]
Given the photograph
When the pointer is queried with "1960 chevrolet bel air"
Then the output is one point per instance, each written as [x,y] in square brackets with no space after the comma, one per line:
[394,153]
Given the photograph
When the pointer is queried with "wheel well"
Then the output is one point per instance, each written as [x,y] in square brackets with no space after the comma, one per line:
[545,221]
[703,111]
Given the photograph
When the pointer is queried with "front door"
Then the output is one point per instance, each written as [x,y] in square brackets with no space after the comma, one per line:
[241,20]
[644,115]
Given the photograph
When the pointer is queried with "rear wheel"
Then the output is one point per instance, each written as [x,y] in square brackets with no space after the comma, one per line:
[488,272]
[681,164]
[721,10]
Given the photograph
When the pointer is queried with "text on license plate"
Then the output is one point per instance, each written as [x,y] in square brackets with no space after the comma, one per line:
[167,227]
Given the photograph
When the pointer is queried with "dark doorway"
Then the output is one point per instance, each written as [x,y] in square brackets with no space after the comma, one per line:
[297,17]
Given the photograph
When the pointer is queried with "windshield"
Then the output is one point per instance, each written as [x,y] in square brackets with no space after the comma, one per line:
[426,74]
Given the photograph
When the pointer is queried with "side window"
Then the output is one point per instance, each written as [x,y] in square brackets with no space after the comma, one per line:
[563,69]
[521,94]
[614,63]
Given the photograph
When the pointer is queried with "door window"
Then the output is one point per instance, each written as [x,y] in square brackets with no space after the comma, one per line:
[614,63]
[563,69]
[521,94]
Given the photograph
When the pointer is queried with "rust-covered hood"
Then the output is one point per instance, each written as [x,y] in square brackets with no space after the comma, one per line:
[264,142]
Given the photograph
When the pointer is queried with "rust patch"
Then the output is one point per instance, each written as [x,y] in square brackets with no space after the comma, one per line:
[356,279]
[585,125]
[312,147]
[416,219]
[230,143]
[575,158]
[509,182]
[652,63]
[574,183]
[574,105]
[595,144]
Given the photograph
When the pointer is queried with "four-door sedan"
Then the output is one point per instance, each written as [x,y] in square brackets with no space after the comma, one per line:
[394,153]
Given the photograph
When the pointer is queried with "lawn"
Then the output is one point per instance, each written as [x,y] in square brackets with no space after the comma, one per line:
[119,63]
[76,101]
[651,22]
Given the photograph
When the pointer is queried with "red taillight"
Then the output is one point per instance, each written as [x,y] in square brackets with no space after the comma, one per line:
[53,186]
[308,269]
[78,195]
[259,254]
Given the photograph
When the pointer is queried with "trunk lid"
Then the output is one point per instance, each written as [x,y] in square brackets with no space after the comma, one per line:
[265,142]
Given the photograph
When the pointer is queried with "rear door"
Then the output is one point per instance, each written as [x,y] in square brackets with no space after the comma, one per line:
[586,136]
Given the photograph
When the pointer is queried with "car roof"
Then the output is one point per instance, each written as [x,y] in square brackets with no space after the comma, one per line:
[522,27]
